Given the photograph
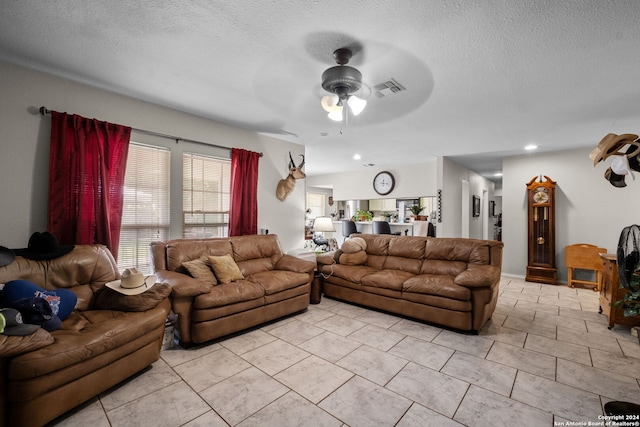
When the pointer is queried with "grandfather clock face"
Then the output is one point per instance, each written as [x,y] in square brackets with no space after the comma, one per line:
[541,231]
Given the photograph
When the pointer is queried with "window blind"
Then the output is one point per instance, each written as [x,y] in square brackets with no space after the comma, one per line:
[145,216]
[205,196]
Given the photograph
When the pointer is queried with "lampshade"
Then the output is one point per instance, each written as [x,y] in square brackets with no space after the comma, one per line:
[323,223]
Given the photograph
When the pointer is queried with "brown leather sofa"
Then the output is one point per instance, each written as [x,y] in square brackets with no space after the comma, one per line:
[274,285]
[447,281]
[46,374]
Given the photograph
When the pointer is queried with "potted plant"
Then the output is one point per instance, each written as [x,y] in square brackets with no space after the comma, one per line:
[415,210]
[362,216]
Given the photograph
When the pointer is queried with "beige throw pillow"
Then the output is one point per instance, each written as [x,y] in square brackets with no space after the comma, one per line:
[199,269]
[226,269]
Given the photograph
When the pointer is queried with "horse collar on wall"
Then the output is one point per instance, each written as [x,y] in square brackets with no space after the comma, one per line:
[286,186]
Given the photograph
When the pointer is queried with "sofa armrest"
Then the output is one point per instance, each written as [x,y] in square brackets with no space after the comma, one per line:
[14,345]
[328,258]
[478,276]
[291,263]
[181,284]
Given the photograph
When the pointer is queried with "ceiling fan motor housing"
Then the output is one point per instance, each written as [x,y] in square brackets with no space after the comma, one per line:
[342,80]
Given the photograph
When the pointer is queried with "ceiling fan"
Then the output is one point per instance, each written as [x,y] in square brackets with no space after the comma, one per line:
[342,81]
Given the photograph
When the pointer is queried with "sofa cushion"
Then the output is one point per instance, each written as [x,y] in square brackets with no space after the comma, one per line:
[109,299]
[229,293]
[225,268]
[83,336]
[438,285]
[354,258]
[388,279]
[255,253]
[13,345]
[442,267]
[437,301]
[275,281]
[352,273]
[201,269]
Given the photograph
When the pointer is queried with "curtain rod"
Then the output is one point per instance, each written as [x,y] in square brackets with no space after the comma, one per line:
[45,111]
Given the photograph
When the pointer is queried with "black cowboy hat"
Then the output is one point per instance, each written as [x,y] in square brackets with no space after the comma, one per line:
[43,246]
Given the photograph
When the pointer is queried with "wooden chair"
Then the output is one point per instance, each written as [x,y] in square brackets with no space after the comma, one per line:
[584,257]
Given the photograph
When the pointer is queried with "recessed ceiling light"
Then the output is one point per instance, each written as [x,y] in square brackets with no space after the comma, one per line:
[357,157]
[531,147]
[497,174]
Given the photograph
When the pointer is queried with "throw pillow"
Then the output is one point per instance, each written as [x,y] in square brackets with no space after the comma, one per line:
[62,301]
[108,299]
[199,269]
[226,269]
[353,245]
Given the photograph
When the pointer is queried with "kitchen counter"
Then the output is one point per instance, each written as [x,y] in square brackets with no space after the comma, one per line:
[365,227]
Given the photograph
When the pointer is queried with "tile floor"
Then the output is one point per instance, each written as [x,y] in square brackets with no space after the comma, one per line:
[545,358]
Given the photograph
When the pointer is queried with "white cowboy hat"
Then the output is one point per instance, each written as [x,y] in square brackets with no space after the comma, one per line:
[132,282]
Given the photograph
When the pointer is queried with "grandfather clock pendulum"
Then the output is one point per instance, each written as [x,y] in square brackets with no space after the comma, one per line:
[541,265]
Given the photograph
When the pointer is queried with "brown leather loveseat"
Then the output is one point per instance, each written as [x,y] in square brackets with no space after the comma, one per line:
[44,375]
[447,281]
[272,284]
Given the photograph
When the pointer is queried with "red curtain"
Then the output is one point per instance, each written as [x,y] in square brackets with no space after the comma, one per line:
[243,206]
[86,178]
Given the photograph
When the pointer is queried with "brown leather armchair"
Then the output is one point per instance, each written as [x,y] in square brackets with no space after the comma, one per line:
[46,374]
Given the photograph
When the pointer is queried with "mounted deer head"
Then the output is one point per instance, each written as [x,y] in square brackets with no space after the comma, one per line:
[285,186]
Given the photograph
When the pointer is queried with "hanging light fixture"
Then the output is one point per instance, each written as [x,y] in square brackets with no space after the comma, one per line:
[342,81]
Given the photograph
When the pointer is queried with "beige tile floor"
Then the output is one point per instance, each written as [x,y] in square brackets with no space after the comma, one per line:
[545,358]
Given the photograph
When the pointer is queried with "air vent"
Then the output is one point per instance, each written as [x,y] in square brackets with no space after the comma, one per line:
[387,88]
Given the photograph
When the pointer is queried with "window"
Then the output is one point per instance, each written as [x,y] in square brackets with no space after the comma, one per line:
[145,213]
[205,196]
[315,205]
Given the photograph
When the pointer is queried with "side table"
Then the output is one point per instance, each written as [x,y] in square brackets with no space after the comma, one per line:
[611,292]
[316,283]
[316,288]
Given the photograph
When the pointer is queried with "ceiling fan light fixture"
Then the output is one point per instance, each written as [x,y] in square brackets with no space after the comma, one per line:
[356,104]
[336,115]
[330,103]
[342,81]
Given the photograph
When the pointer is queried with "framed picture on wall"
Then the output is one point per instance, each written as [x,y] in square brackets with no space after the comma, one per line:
[476,206]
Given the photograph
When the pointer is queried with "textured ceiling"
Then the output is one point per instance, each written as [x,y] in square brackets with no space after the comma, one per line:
[482,78]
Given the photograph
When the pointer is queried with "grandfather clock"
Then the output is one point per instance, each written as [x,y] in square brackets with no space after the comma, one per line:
[541,265]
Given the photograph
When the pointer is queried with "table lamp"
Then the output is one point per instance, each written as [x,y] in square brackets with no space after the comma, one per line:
[322,224]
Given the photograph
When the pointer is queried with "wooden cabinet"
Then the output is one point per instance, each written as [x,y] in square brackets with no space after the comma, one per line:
[384,205]
[611,292]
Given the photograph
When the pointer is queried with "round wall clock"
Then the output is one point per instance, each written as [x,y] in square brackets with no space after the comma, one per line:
[383,183]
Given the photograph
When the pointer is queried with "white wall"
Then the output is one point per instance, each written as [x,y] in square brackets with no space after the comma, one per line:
[24,138]
[456,211]
[588,208]
[414,180]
